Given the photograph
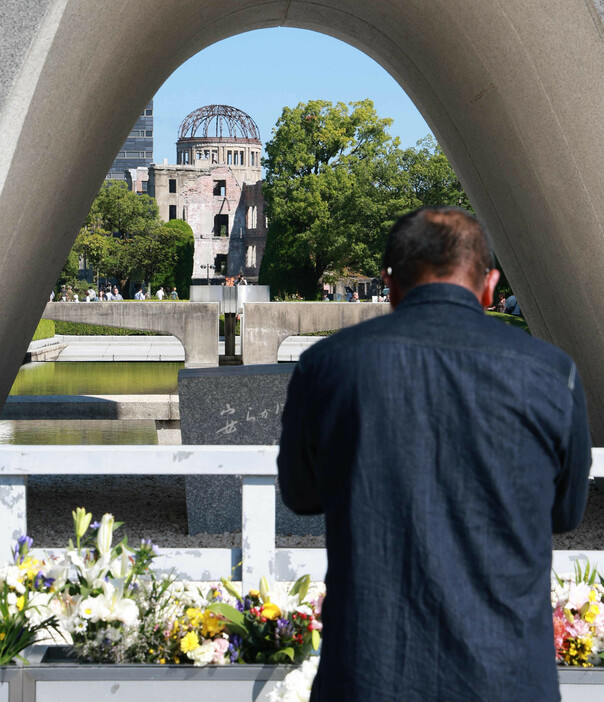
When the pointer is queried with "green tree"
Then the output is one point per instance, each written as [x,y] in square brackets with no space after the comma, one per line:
[333,187]
[431,178]
[182,245]
[122,236]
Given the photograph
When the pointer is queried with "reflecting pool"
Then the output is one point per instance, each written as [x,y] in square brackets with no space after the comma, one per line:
[74,432]
[97,378]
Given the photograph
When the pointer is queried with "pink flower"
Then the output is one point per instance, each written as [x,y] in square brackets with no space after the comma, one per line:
[319,605]
[578,628]
[313,624]
[560,623]
[221,646]
[578,595]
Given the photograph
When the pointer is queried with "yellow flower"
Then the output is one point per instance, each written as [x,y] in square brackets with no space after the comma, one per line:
[2,636]
[271,611]
[162,661]
[189,642]
[210,624]
[254,593]
[193,615]
[21,602]
[590,615]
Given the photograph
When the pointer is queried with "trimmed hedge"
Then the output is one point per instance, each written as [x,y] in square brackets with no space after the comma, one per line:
[80,329]
[45,330]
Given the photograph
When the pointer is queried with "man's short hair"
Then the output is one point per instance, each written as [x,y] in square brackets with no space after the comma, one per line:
[441,241]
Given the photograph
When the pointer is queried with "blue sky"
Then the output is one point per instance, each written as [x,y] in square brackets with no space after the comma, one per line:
[262,71]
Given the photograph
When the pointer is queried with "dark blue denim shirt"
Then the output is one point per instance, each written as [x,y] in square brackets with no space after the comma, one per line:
[443,447]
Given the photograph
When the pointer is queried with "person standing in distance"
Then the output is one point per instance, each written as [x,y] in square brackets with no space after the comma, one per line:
[438,528]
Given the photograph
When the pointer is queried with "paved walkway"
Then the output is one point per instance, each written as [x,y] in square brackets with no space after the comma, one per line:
[153,348]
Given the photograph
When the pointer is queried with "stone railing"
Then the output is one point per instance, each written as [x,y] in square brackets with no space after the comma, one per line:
[256,465]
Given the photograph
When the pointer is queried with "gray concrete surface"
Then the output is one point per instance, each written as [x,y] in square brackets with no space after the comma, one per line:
[121,348]
[266,325]
[513,91]
[141,348]
[194,324]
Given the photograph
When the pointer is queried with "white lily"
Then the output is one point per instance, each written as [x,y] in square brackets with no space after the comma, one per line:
[120,567]
[104,535]
[114,606]
[93,572]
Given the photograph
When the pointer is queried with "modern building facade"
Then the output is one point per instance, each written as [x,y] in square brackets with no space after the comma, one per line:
[216,186]
[137,150]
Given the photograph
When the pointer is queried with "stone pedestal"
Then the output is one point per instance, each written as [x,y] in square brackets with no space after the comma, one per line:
[234,405]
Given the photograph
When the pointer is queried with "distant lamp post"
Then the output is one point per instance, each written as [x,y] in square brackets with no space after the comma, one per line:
[208,266]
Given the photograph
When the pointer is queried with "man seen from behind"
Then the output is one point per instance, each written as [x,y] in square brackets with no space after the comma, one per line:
[438,524]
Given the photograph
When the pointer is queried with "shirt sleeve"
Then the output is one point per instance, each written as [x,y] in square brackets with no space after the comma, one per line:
[296,454]
[572,481]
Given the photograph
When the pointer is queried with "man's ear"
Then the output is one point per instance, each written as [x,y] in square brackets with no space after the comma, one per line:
[491,280]
[396,294]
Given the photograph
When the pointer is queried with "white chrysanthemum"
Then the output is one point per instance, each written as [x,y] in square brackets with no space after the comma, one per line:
[89,609]
[79,625]
[296,686]
[202,655]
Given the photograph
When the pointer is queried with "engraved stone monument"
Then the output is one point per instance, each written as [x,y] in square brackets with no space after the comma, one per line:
[234,405]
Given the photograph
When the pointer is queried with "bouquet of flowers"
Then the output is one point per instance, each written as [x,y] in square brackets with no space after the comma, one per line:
[98,590]
[264,627]
[25,592]
[114,609]
[578,611]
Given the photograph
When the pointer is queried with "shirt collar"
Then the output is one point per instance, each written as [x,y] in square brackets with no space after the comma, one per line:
[440,292]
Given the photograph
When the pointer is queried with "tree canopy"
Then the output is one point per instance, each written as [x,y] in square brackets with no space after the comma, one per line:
[335,182]
[124,238]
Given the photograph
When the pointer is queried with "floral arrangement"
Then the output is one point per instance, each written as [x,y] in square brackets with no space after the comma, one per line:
[578,612]
[107,600]
[25,587]
[265,627]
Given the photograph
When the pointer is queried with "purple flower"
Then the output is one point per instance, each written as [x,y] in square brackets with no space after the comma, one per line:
[40,580]
[234,646]
[148,545]
[24,543]
[283,629]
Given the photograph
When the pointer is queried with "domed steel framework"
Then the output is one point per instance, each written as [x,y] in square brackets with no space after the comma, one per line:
[218,121]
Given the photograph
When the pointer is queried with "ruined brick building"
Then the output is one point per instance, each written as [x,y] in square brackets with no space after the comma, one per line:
[216,186]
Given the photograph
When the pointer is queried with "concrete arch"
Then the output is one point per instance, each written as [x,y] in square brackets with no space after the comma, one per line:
[513,91]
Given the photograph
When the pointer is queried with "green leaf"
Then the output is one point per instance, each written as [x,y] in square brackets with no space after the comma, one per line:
[300,587]
[234,618]
[316,639]
[282,656]
[558,578]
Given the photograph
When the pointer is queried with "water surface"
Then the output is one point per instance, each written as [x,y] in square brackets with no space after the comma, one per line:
[97,378]
[77,432]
